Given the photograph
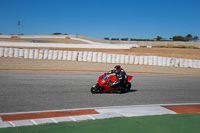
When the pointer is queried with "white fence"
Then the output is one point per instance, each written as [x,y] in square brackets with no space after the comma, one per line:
[97,57]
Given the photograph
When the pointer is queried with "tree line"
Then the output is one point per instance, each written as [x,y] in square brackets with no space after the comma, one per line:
[187,38]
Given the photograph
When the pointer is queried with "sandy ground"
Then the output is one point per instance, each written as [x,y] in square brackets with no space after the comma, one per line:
[53,40]
[50,65]
[165,52]
[56,65]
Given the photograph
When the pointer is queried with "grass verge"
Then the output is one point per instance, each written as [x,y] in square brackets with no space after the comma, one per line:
[179,123]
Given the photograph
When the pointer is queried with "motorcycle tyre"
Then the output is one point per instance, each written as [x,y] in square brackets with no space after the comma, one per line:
[95,89]
[126,88]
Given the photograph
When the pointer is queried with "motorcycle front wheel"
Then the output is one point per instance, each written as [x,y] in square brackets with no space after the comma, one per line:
[96,89]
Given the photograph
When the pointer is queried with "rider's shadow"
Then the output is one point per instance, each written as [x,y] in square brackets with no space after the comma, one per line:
[130,91]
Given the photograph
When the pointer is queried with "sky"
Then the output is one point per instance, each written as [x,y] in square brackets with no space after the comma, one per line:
[139,19]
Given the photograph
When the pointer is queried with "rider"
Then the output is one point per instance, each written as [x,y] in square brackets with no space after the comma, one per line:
[121,75]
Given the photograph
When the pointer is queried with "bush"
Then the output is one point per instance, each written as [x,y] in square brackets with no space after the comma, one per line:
[106,38]
[124,39]
[57,33]
[115,39]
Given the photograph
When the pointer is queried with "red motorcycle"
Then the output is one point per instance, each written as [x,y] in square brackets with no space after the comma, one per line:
[104,81]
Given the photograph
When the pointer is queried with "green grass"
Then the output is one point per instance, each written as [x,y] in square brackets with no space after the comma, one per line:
[180,123]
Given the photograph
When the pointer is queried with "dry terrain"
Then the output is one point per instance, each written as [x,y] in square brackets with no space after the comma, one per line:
[165,52]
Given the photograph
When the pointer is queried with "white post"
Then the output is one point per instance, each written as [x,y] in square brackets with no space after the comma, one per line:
[85,54]
[6,52]
[127,58]
[1,52]
[99,57]
[104,58]
[16,53]
[80,56]
[64,55]
[89,57]
[155,60]
[94,57]
[36,54]
[31,53]
[46,52]
[60,55]
[109,58]
[122,59]
[11,52]
[50,55]
[74,56]
[21,53]
[69,55]
[117,58]
[150,60]
[55,54]
[146,59]
[141,60]
[26,53]
[41,54]
[131,59]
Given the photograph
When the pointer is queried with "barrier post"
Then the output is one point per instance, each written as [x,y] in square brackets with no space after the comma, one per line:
[41,54]
[1,52]
[127,59]
[26,53]
[131,59]
[109,58]
[155,60]
[50,55]
[89,57]
[16,53]
[69,55]
[60,55]
[31,53]
[85,54]
[122,59]
[55,54]
[141,60]
[182,62]
[99,57]
[6,50]
[113,58]
[164,61]
[146,59]
[36,54]
[104,58]
[117,60]
[80,56]
[64,55]
[150,60]
[186,63]
[74,56]
[11,52]
[21,53]
[46,52]
[94,57]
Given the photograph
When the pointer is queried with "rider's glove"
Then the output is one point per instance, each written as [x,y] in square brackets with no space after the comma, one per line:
[112,84]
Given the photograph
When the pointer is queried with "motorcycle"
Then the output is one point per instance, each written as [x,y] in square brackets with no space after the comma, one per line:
[104,81]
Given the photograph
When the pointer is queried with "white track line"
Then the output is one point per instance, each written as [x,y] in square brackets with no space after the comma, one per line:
[12,124]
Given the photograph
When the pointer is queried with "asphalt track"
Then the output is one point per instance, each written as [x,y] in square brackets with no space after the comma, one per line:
[23,91]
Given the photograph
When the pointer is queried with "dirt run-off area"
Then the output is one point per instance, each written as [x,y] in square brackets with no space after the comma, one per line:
[164,52]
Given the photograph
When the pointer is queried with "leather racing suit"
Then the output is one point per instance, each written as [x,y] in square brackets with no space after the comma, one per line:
[121,78]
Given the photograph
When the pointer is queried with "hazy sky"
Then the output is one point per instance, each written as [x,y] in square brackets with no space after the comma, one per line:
[145,19]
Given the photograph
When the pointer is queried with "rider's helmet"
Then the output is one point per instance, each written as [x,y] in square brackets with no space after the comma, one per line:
[117,69]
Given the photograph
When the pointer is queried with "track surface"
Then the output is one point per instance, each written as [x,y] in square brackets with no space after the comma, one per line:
[37,90]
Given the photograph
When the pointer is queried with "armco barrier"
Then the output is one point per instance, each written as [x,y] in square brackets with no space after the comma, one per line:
[97,57]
